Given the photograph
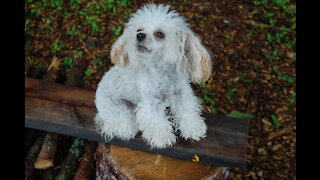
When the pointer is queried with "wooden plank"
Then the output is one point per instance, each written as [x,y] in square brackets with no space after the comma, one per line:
[70,111]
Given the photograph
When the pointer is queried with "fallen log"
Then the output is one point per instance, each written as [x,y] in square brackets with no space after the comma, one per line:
[87,167]
[49,148]
[32,154]
[70,111]
[70,164]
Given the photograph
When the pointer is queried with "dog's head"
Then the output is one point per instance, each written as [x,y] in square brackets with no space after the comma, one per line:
[154,33]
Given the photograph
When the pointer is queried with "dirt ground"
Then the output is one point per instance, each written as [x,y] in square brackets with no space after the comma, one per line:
[253,45]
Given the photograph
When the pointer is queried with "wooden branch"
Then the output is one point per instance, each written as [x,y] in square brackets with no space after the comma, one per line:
[69,165]
[33,152]
[279,133]
[48,151]
[86,167]
[70,111]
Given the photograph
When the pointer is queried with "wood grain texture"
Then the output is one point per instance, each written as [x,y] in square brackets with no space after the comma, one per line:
[143,165]
[70,111]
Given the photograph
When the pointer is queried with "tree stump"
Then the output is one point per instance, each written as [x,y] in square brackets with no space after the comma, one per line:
[141,165]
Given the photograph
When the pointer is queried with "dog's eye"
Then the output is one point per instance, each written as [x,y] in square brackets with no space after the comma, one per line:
[139,30]
[160,35]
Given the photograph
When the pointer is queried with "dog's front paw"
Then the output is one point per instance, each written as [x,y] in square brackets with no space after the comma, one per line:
[159,139]
[193,129]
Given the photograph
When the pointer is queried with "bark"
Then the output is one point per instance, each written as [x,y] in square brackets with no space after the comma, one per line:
[69,165]
[106,170]
[48,151]
[87,166]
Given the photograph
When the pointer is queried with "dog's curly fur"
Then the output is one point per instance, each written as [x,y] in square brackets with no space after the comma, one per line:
[155,59]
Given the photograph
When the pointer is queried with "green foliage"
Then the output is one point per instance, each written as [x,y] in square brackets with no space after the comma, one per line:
[208,100]
[238,114]
[230,94]
[87,75]
[37,9]
[93,21]
[47,23]
[292,97]
[75,149]
[214,111]
[99,62]
[229,37]
[73,31]
[204,85]
[83,36]
[61,177]
[117,31]
[78,53]
[284,77]
[276,122]
[67,61]
[26,27]
[74,4]
[56,46]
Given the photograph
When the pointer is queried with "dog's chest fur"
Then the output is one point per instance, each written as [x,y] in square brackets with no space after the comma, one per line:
[159,80]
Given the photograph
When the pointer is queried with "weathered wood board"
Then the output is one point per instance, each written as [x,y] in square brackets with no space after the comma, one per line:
[60,109]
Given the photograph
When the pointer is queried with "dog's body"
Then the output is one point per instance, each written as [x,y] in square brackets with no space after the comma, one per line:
[155,61]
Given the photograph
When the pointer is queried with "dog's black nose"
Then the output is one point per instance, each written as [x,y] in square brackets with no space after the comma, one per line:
[141,37]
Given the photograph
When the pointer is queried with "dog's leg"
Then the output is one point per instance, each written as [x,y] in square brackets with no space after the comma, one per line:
[154,124]
[116,121]
[186,108]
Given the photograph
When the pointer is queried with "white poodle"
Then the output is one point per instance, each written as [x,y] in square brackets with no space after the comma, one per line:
[155,59]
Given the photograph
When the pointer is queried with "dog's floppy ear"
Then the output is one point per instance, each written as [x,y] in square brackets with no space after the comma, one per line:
[118,53]
[197,60]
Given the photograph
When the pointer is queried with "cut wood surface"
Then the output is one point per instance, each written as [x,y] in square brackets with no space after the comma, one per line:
[142,165]
[70,111]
